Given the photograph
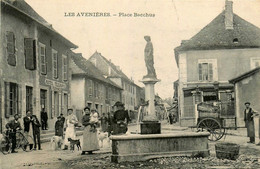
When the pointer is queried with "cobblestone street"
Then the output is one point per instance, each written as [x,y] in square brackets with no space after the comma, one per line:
[47,158]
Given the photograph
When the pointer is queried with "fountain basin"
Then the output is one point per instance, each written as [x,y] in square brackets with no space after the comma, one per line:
[136,147]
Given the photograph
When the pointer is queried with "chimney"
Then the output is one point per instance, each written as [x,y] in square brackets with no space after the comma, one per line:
[229,14]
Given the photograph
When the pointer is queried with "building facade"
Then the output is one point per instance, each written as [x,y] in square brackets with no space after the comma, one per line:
[246,90]
[26,63]
[113,72]
[225,48]
[90,88]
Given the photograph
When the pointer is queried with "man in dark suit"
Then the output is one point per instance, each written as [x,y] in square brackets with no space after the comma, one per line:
[36,132]
[62,118]
[44,119]
[13,126]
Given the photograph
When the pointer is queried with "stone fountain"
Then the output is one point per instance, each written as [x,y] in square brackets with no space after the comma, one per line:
[151,142]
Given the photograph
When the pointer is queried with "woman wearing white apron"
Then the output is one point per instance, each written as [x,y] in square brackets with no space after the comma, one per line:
[69,125]
[28,128]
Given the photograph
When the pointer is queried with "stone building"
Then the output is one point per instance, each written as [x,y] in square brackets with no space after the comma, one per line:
[33,64]
[114,73]
[227,47]
[90,88]
[247,89]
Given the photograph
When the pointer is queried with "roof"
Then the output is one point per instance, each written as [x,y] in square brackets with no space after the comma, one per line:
[215,36]
[114,67]
[245,75]
[24,8]
[88,69]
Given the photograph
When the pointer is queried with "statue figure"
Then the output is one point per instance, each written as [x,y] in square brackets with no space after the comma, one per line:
[148,57]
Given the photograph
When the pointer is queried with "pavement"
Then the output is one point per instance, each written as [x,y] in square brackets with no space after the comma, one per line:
[47,156]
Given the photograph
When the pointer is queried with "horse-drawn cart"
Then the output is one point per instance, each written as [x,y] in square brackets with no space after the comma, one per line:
[216,118]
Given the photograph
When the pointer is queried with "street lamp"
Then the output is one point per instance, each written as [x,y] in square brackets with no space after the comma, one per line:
[216,87]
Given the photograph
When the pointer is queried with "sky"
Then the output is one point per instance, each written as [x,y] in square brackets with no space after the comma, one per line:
[121,38]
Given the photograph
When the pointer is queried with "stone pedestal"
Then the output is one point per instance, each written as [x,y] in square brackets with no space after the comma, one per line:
[150,124]
[137,147]
[152,127]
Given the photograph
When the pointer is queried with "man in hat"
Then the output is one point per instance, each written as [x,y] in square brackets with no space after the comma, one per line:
[249,122]
[121,119]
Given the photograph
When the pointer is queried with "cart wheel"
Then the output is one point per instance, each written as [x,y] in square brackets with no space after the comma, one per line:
[213,127]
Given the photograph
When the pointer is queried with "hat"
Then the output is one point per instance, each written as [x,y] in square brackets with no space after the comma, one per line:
[86,108]
[117,104]
[247,103]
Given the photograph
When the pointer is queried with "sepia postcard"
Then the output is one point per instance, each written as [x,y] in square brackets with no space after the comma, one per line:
[129,84]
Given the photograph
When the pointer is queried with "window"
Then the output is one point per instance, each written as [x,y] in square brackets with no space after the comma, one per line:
[42,55]
[255,62]
[106,93]
[29,98]
[43,101]
[55,64]
[90,88]
[95,90]
[205,72]
[10,48]
[101,89]
[56,104]
[29,53]
[65,102]
[11,99]
[65,67]
[207,69]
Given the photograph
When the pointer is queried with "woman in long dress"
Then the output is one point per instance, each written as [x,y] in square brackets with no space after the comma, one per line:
[90,140]
[69,124]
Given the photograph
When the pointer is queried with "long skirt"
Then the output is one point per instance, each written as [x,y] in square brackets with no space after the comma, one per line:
[250,128]
[69,133]
[90,140]
[29,136]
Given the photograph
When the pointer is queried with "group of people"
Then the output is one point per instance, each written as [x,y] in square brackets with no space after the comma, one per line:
[116,124]
[31,131]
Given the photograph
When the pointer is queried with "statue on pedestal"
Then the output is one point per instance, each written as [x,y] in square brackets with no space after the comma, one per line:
[148,57]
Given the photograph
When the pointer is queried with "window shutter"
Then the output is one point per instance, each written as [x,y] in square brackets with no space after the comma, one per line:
[210,72]
[42,54]
[7,100]
[19,93]
[52,104]
[65,68]
[10,48]
[200,71]
[55,64]
[29,51]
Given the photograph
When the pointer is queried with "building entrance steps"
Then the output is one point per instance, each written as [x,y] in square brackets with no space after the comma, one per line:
[46,135]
